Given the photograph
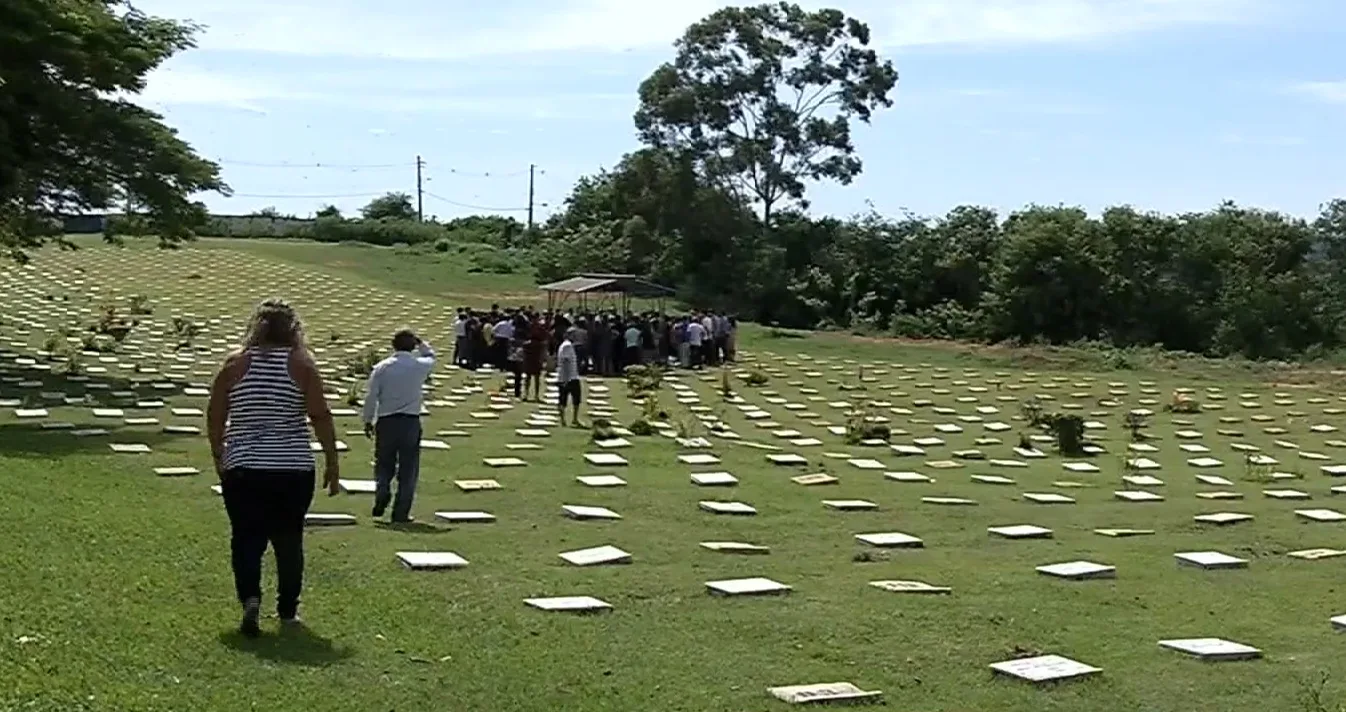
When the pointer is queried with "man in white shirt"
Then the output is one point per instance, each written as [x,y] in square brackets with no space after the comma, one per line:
[632,337]
[696,336]
[503,333]
[568,378]
[459,338]
[392,414]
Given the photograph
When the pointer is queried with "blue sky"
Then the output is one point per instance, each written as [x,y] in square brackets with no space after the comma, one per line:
[1170,105]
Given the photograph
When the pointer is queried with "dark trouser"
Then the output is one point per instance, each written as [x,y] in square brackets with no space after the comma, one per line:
[268,506]
[516,368]
[633,356]
[397,453]
[460,351]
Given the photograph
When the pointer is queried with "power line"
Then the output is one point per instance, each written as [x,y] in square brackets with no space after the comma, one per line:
[470,174]
[476,207]
[335,166]
[304,197]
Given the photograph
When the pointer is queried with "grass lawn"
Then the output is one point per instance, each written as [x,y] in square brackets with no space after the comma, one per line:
[118,594]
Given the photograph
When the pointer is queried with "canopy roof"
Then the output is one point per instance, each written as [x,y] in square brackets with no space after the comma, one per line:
[628,284]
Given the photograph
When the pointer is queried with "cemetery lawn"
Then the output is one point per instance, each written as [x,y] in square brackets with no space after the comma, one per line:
[117,593]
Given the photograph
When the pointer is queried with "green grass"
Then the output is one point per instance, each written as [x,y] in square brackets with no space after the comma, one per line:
[121,580]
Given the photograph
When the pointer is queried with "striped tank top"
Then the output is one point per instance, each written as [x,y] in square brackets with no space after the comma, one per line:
[266,427]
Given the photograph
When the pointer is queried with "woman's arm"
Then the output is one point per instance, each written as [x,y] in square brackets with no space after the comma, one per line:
[217,412]
[306,375]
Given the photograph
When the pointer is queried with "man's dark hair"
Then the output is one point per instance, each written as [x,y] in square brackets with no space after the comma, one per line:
[405,340]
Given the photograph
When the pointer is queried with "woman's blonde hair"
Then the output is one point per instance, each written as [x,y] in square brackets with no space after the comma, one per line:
[274,323]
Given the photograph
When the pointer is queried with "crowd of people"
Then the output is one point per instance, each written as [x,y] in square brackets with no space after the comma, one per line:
[523,341]
[270,392]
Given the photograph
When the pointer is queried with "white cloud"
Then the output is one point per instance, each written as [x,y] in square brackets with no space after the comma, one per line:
[1001,22]
[433,30]
[1329,92]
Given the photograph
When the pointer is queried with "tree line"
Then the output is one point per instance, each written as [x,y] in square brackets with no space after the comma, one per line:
[756,105]
[1229,281]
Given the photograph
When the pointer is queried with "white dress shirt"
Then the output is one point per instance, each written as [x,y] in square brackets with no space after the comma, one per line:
[395,384]
[567,364]
[504,330]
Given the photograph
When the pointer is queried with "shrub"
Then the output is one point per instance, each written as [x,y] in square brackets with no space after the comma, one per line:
[491,262]
[1136,424]
[139,304]
[756,377]
[361,364]
[644,380]
[860,427]
[442,246]
[1031,410]
[1183,403]
[1069,431]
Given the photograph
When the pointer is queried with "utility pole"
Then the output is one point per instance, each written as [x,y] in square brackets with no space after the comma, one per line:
[531,169]
[420,192]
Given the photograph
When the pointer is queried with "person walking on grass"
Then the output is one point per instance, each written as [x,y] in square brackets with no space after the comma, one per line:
[392,416]
[568,379]
[260,445]
[534,358]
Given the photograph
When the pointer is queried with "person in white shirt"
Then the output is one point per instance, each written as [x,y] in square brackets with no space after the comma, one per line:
[568,378]
[696,336]
[392,415]
[632,338]
[460,338]
[503,334]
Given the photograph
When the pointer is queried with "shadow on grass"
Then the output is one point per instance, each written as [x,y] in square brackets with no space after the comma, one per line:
[412,528]
[293,645]
[28,438]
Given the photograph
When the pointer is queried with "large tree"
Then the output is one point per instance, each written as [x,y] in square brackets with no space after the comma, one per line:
[393,206]
[763,96]
[71,141]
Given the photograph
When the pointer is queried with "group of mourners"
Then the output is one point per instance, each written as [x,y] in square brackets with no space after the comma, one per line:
[269,394]
[523,342]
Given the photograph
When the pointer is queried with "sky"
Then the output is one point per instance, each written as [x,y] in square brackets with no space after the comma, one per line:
[1166,105]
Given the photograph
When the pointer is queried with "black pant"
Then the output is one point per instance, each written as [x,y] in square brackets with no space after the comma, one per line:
[268,506]
[516,368]
[397,456]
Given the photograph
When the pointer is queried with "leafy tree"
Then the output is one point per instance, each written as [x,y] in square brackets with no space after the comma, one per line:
[393,206]
[328,211]
[762,98]
[70,140]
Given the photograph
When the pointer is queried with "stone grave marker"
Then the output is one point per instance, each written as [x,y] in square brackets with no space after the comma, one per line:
[735,547]
[830,692]
[601,481]
[1137,496]
[431,560]
[477,485]
[466,517]
[1123,533]
[1020,531]
[1212,649]
[1045,668]
[596,556]
[1210,560]
[1078,570]
[897,586]
[756,586]
[891,540]
[328,520]
[733,508]
[1047,498]
[176,471]
[1320,515]
[850,505]
[569,604]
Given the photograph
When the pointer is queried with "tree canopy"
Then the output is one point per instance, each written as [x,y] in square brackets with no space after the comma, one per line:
[762,98]
[393,206]
[71,141]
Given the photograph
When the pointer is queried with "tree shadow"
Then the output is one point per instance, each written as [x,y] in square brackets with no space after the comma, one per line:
[412,527]
[29,388]
[293,645]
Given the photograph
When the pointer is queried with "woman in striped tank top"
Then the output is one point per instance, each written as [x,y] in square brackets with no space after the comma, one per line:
[259,438]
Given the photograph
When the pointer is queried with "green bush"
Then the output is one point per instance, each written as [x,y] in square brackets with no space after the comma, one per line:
[384,233]
[1069,431]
